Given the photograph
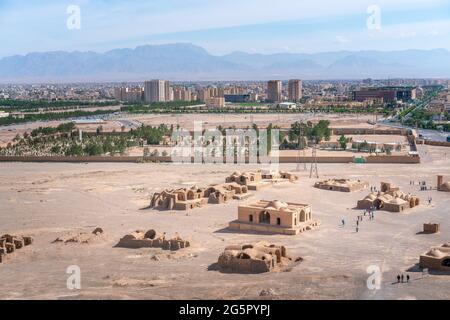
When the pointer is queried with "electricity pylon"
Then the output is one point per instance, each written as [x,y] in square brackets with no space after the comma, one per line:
[314,171]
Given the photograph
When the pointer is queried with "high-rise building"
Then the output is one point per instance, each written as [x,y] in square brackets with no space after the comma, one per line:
[295,88]
[156,91]
[213,103]
[274,88]
[387,94]
[204,95]
[129,94]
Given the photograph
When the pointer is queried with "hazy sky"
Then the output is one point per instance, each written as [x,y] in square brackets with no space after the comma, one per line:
[223,26]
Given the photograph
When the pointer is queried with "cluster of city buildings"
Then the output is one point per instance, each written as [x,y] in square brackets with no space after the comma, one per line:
[386,94]
[440,105]
[53,92]
[213,96]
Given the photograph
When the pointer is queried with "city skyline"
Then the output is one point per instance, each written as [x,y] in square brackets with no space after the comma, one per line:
[289,26]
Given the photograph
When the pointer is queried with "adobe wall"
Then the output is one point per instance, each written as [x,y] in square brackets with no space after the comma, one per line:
[368,131]
[437,143]
[393,159]
[134,159]
[81,159]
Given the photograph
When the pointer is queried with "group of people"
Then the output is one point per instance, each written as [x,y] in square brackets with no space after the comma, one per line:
[359,218]
[402,278]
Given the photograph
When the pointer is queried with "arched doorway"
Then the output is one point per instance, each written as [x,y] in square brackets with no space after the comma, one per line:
[264,217]
[378,204]
[278,222]
[250,218]
[446,263]
[190,195]
[302,216]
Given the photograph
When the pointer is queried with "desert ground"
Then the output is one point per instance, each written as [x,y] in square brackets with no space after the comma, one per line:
[47,201]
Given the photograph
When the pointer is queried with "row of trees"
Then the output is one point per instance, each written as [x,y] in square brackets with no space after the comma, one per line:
[64,140]
[300,133]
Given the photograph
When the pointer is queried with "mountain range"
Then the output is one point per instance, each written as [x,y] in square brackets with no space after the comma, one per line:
[186,62]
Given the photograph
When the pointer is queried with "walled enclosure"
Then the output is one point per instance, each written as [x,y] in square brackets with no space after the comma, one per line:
[258,258]
[342,185]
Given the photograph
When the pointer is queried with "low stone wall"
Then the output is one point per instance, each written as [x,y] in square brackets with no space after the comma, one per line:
[283,159]
[82,159]
[369,131]
[393,159]
[437,143]
[296,159]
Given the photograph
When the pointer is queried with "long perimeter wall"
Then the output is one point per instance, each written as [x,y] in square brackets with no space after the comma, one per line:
[283,159]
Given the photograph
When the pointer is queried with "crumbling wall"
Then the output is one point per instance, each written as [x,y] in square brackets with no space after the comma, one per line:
[253,258]
[10,243]
[151,239]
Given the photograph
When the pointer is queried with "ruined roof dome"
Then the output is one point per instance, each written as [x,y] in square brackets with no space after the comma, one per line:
[445,186]
[436,253]
[236,173]
[277,204]
[371,196]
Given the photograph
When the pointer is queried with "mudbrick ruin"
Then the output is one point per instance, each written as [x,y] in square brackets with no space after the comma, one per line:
[151,239]
[11,243]
[254,258]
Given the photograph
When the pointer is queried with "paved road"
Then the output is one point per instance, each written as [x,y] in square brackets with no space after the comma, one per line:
[432,135]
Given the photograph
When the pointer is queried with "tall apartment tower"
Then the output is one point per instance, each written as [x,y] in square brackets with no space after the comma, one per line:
[274,88]
[156,91]
[295,88]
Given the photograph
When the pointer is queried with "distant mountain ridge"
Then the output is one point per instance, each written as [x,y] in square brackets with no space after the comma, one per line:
[184,61]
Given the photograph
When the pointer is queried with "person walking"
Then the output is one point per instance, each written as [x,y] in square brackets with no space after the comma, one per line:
[403,278]
[343,222]
[407,278]
[398,278]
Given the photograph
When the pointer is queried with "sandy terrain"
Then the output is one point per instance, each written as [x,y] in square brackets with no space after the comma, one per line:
[50,200]
[262,120]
